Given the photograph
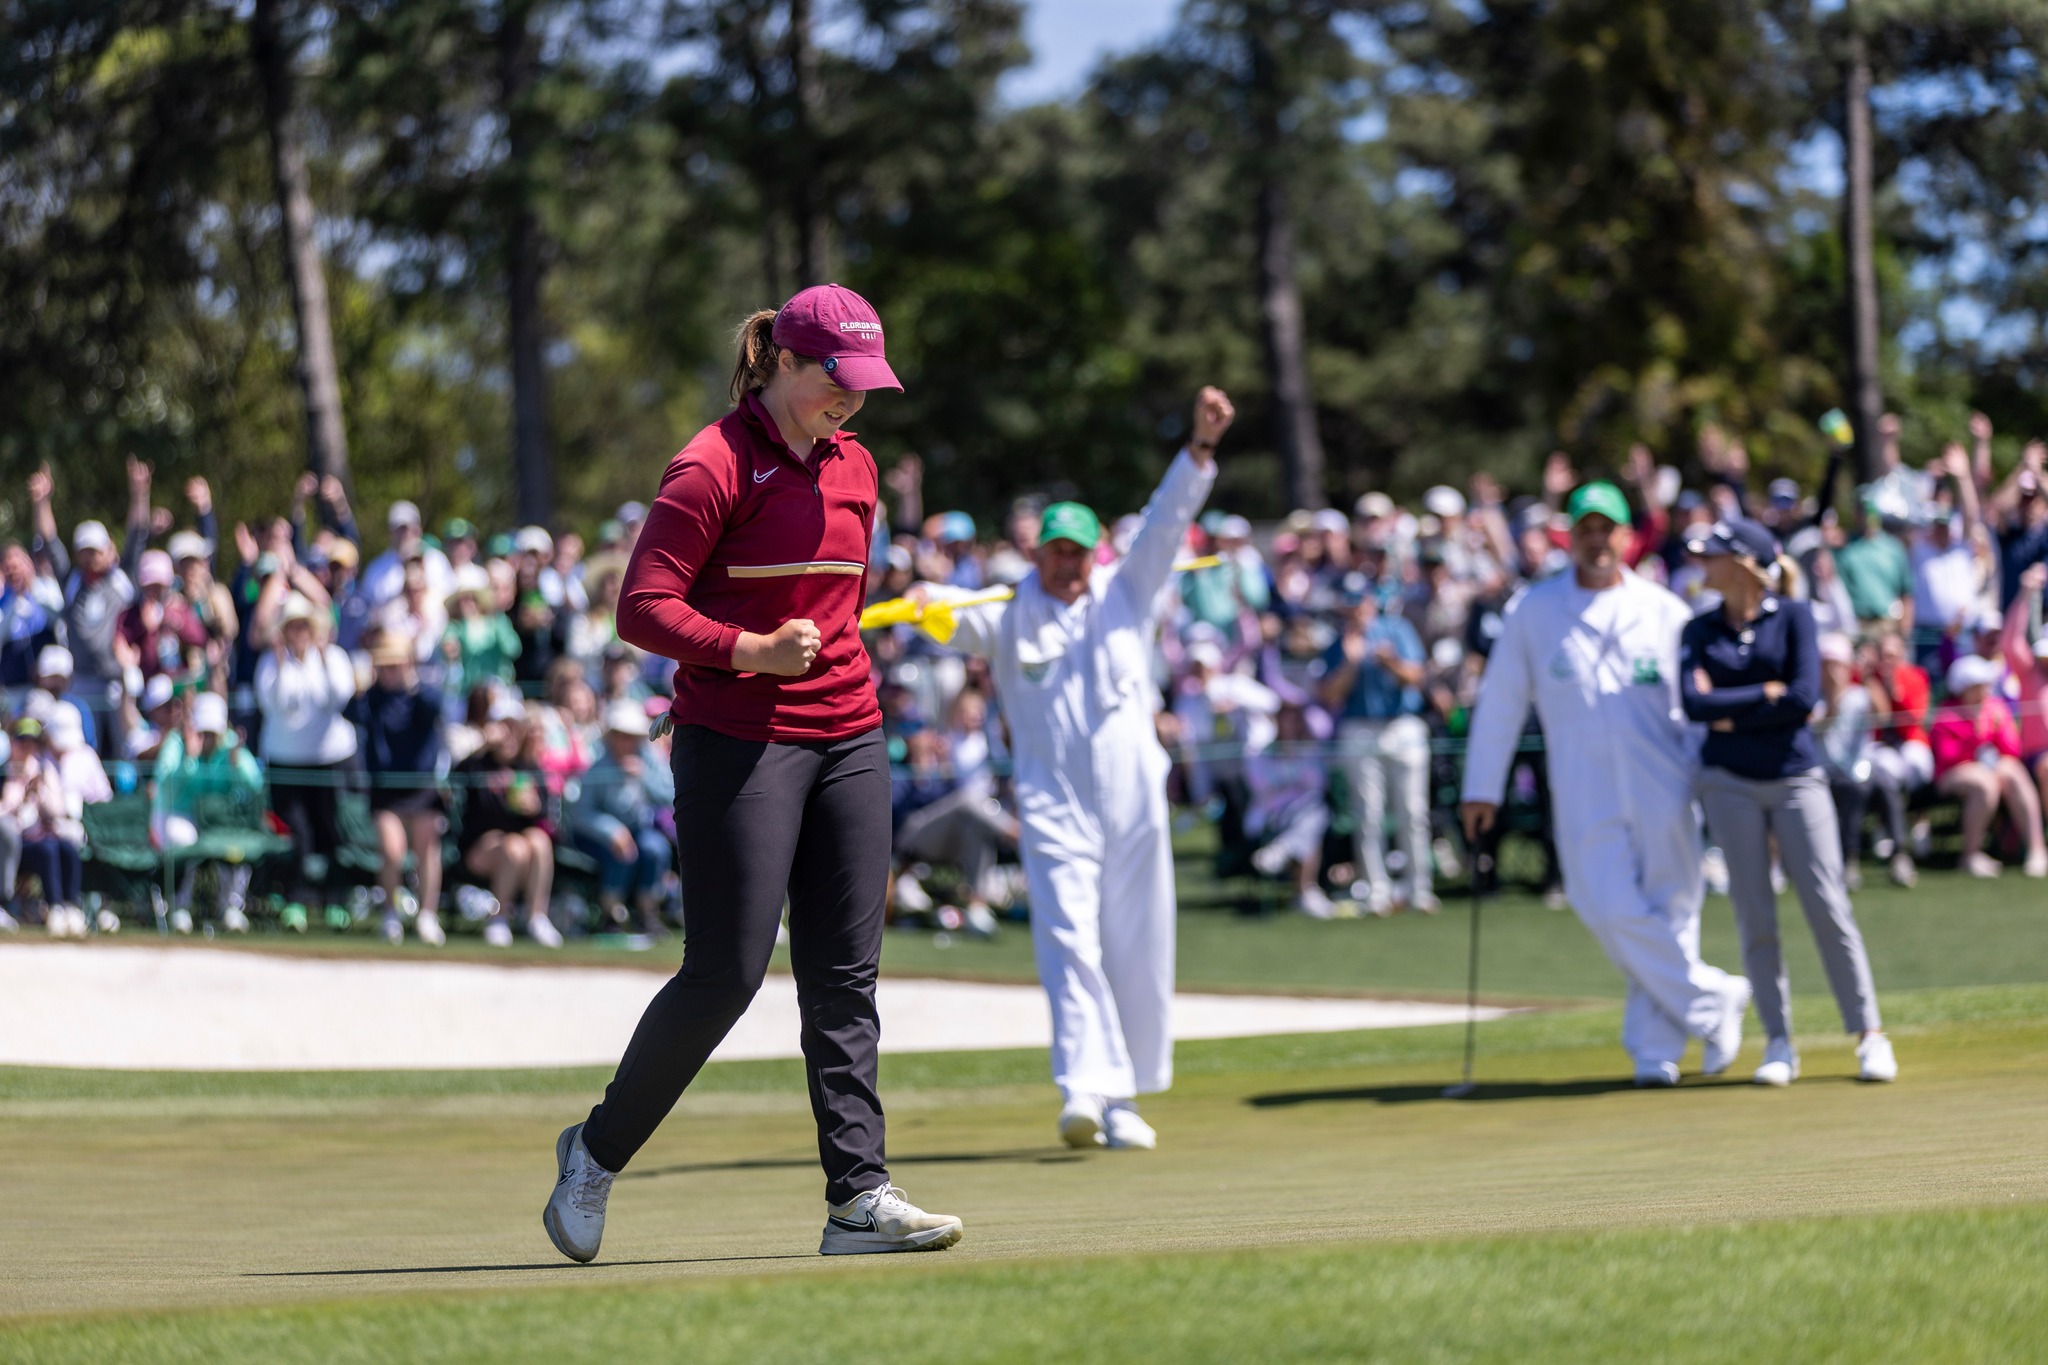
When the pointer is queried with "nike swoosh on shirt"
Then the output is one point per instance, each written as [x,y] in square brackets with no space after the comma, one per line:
[764,476]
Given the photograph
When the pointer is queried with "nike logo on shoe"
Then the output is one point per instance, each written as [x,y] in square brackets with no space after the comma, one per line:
[764,476]
[848,1225]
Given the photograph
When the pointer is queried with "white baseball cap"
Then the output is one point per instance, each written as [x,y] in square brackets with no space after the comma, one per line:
[1444,501]
[402,513]
[506,706]
[63,729]
[1973,670]
[210,713]
[155,570]
[1837,648]
[297,607]
[626,718]
[53,662]
[91,535]
[534,540]
[156,691]
[189,545]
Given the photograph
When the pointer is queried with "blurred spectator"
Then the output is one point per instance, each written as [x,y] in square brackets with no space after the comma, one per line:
[569,736]
[503,839]
[384,579]
[209,602]
[1899,695]
[1976,747]
[1371,680]
[1224,713]
[64,776]
[1842,725]
[939,818]
[159,632]
[614,819]
[1878,575]
[304,687]
[29,626]
[97,588]
[161,709]
[52,694]
[1288,814]
[418,616]
[479,644]
[193,764]
[2028,664]
[400,721]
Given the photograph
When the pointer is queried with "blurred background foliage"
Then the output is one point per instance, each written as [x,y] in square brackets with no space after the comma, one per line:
[1509,225]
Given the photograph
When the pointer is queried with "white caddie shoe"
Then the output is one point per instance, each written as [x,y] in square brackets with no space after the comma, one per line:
[1656,1075]
[1081,1122]
[1725,1041]
[428,927]
[1874,1059]
[882,1219]
[574,1216]
[1123,1130]
[1781,1064]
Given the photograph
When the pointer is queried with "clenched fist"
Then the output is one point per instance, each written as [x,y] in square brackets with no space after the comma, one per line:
[786,653]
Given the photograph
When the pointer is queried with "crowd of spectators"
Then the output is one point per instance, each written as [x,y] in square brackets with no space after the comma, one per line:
[463,688]
[1315,676]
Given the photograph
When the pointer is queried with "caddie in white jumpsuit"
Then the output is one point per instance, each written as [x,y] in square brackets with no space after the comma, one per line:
[1596,652]
[1071,658]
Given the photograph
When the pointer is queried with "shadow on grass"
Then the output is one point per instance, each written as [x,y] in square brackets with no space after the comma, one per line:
[477,1269]
[1038,1156]
[1486,1090]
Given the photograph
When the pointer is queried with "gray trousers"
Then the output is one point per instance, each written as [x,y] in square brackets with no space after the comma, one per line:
[1742,814]
[10,856]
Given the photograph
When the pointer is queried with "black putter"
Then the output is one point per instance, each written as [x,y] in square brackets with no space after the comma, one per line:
[1482,863]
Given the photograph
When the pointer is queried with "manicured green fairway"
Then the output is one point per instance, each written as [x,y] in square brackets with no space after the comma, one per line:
[1312,1199]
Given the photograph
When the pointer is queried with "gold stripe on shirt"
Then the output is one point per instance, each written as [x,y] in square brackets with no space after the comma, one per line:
[793,570]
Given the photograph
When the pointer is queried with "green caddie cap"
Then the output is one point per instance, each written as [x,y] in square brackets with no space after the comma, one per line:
[1601,497]
[1070,521]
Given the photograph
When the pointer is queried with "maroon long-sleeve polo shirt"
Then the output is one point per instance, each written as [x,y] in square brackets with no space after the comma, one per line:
[744,536]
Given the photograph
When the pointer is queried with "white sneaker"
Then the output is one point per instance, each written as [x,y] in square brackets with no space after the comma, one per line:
[1726,1039]
[8,923]
[235,920]
[1903,872]
[1315,903]
[428,927]
[1656,1075]
[1714,871]
[1448,864]
[1555,899]
[1777,878]
[1377,901]
[1270,861]
[1781,1064]
[1124,1130]
[1983,866]
[391,928]
[498,934]
[1081,1122]
[1874,1059]
[574,1216]
[181,921]
[883,1220]
[911,895]
[542,930]
[1425,903]
[107,922]
[2037,865]
[981,922]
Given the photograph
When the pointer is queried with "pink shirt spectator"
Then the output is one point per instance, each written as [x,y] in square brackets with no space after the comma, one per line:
[2030,677]
[1957,735]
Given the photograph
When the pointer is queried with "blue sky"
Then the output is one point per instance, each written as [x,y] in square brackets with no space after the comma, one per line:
[1067,37]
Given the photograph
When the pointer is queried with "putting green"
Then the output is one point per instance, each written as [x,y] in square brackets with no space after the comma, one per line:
[1557,1216]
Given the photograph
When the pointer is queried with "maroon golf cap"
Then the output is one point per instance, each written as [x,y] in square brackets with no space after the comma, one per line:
[837,328]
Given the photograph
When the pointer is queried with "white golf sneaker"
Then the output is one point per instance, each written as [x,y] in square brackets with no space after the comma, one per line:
[391,928]
[1874,1059]
[542,930]
[1656,1075]
[181,921]
[497,933]
[1983,866]
[1781,1064]
[428,927]
[1725,1041]
[1081,1122]
[1315,903]
[1123,1130]
[8,923]
[574,1216]
[235,920]
[883,1220]
[107,922]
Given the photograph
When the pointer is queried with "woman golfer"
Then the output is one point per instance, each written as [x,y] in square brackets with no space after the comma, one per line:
[750,573]
[1750,671]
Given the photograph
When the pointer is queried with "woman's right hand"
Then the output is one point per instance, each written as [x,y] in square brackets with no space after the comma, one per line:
[786,653]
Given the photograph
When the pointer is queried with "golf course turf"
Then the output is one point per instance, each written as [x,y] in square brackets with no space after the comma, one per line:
[1312,1197]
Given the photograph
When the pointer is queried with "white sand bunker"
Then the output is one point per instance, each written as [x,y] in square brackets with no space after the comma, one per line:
[200,1009]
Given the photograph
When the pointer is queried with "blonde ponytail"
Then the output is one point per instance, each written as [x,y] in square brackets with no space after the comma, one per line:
[756,354]
[1791,578]
[1781,576]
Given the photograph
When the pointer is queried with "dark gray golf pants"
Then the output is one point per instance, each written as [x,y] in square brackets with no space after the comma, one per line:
[1742,814]
[755,820]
